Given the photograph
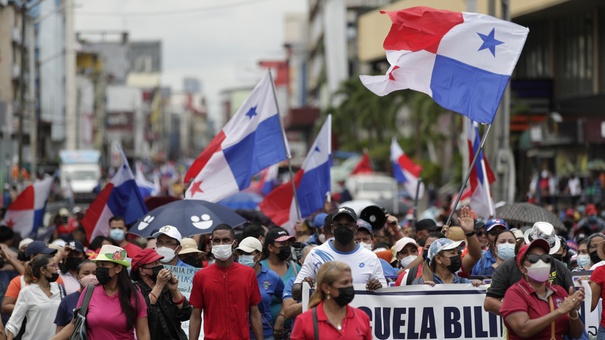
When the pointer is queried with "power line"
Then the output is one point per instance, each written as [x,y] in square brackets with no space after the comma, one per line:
[173,12]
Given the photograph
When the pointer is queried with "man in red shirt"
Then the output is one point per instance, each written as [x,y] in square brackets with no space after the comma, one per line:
[227,292]
[117,232]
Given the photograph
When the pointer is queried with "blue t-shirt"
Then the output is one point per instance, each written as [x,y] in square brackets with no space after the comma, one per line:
[484,265]
[66,309]
[276,304]
[288,289]
[180,263]
[437,280]
[389,271]
[270,286]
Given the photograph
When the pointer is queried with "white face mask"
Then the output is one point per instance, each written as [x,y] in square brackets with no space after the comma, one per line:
[168,254]
[367,246]
[222,252]
[407,260]
[539,271]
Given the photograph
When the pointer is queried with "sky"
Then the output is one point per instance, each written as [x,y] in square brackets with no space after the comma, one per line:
[217,41]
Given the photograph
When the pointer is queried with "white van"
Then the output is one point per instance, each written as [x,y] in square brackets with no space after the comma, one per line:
[371,187]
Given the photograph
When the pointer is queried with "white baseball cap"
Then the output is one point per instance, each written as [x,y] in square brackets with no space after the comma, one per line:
[169,231]
[250,244]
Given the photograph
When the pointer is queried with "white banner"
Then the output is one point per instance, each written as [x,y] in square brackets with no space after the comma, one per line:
[445,311]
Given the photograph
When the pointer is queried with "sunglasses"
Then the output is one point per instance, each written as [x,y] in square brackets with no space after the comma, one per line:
[533,258]
[479,233]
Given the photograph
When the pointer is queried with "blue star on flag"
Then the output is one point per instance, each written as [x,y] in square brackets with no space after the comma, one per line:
[489,41]
[252,112]
[317,149]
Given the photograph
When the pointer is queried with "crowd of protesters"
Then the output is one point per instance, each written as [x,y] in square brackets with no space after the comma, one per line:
[249,282]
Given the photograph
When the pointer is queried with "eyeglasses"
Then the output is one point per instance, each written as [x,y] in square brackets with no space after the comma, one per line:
[533,258]
[167,244]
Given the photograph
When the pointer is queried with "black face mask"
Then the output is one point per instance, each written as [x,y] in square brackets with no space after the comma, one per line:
[155,271]
[425,254]
[284,253]
[72,263]
[53,277]
[102,275]
[594,257]
[345,296]
[192,261]
[344,235]
[421,242]
[455,264]
[21,256]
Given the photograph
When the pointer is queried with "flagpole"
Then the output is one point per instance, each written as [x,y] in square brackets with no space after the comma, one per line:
[416,203]
[286,146]
[487,191]
[468,175]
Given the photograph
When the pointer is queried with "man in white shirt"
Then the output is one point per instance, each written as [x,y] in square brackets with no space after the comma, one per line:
[365,265]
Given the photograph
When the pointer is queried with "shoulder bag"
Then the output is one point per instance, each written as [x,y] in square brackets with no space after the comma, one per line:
[79,332]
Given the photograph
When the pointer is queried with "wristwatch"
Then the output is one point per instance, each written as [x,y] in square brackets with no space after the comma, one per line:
[470,234]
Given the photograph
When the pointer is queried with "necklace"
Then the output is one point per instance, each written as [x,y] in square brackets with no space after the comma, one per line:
[226,272]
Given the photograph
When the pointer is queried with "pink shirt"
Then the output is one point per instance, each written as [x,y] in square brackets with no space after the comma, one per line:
[105,319]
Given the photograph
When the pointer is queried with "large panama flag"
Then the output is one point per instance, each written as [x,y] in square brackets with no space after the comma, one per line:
[250,142]
[462,60]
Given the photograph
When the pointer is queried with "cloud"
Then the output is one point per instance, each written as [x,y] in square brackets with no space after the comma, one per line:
[219,47]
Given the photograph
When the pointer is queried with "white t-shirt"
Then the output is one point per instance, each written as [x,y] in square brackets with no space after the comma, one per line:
[575,189]
[364,264]
[39,309]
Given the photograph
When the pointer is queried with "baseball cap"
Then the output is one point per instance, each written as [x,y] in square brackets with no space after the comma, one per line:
[38,247]
[404,241]
[169,231]
[344,211]
[278,235]
[249,245]
[538,242]
[546,231]
[188,246]
[318,221]
[144,257]
[427,224]
[75,245]
[63,212]
[25,242]
[518,233]
[442,244]
[365,225]
[76,210]
[591,209]
[479,224]
[495,222]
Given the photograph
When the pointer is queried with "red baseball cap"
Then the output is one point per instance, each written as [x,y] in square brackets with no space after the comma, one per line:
[539,242]
[144,257]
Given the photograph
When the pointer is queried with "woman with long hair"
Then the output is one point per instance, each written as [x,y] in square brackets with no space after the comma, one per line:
[85,273]
[329,308]
[117,308]
[504,247]
[38,301]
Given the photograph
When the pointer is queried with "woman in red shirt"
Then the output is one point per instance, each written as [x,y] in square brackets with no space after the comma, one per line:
[533,307]
[329,312]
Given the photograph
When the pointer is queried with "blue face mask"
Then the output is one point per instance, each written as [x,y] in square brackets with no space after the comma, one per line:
[117,234]
[247,260]
[583,260]
[506,251]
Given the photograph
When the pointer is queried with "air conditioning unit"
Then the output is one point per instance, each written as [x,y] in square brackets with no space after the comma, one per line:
[16,35]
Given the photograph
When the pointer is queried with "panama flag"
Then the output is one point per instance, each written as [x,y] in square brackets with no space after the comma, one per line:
[119,197]
[251,141]
[405,170]
[26,213]
[462,60]
[146,188]
[312,183]
[268,180]
[481,175]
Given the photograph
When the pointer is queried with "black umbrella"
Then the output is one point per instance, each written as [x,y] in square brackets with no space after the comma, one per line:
[523,214]
[389,205]
[190,217]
